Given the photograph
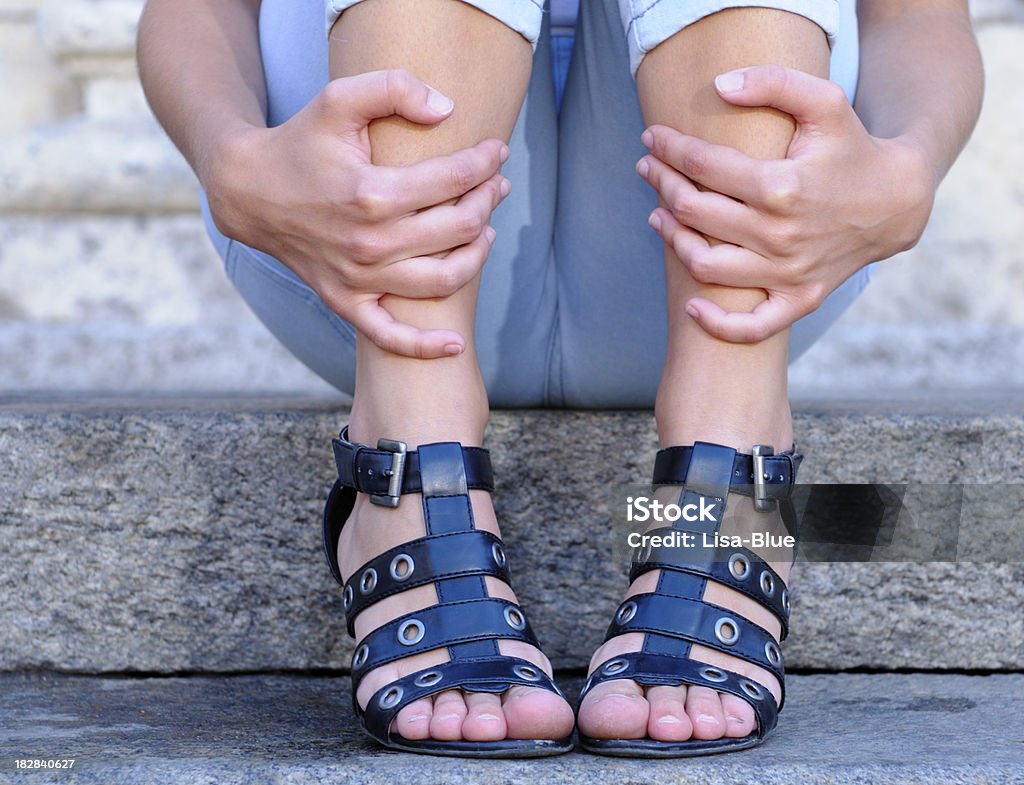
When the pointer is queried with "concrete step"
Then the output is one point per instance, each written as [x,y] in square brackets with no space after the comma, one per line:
[168,535]
[837,729]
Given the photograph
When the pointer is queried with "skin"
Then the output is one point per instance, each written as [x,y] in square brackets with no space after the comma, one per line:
[387,221]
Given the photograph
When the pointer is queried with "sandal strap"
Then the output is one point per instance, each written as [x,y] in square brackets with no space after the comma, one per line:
[391,470]
[436,557]
[494,675]
[681,622]
[653,670]
[738,568]
[449,624]
[672,466]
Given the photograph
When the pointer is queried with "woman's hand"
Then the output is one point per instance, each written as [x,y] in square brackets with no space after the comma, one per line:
[796,227]
[307,193]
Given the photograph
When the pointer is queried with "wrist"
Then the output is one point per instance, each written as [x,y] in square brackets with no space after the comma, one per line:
[227,158]
[915,178]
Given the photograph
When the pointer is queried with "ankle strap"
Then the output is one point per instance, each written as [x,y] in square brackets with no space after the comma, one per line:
[392,469]
[765,475]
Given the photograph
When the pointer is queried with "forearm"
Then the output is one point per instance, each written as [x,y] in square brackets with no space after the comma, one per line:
[920,75]
[199,61]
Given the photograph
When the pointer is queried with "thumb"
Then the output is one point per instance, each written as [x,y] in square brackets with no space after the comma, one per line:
[354,101]
[811,100]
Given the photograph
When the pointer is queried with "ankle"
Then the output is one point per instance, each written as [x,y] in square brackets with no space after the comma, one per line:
[740,424]
[453,411]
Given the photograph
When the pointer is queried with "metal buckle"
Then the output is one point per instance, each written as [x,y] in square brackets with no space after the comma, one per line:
[761,501]
[395,474]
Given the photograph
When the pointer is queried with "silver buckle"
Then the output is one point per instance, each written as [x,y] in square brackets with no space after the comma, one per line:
[761,501]
[395,474]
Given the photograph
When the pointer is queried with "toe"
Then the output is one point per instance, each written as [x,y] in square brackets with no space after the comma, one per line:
[485,721]
[615,710]
[705,710]
[413,721]
[448,715]
[668,720]
[739,716]
[534,713]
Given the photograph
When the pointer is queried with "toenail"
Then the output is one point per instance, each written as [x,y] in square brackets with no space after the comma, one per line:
[487,717]
[444,717]
[708,719]
[416,718]
[736,720]
[669,719]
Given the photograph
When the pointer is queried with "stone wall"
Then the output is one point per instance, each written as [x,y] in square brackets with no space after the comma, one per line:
[107,281]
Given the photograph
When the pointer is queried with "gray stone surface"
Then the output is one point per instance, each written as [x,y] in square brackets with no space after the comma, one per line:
[839,729]
[173,536]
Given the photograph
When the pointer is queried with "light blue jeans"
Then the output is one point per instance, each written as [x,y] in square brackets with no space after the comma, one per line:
[572,307]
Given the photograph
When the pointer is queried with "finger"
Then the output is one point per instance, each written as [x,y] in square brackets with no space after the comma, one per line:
[767,319]
[447,226]
[713,214]
[373,321]
[811,100]
[440,179]
[354,101]
[717,167]
[723,264]
[424,277]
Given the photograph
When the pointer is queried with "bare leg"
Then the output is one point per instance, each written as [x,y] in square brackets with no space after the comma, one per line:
[484,67]
[711,390]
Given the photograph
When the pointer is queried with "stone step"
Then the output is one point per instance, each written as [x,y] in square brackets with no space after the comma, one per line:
[846,728]
[172,535]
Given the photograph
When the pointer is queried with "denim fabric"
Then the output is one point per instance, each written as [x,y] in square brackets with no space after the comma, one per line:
[572,309]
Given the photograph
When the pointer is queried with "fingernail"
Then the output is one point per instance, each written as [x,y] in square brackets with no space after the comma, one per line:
[504,153]
[490,234]
[453,349]
[642,167]
[505,187]
[692,311]
[655,222]
[441,104]
[647,139]
[730,82]
[707,718]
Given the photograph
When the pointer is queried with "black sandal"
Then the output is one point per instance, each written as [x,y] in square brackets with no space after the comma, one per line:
[455,557]
[674,616]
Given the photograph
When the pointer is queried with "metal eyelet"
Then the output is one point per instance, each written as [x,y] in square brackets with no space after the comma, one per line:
[527,672]
[727,630]
[368,581]
[402,567]
[785,601]
[347,597]
[643,553]
[411,632]
[390,698]
[767,583]
[626,612]
[498,553]
[751,689]
[428,679]
[773,653]
[361,656]
[514,618]
[739,566]
[615,666]
[713,674]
